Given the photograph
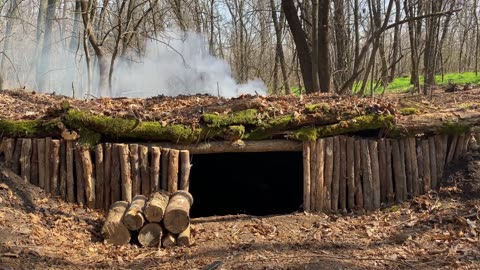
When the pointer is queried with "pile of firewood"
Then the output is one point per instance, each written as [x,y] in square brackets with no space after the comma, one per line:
[160,220]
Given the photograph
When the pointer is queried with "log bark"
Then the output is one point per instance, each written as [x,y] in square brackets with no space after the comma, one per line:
[336,173]
[459,148]
[421,172]
[435,122]
[25,158]
[164,168]
[34,163]
[62,186]
[382,164]
[156,205]
[403,168]
[451,149]
[185,170]
[313,175]
[70,185]
[107,191]
[433,162]
[113,230]
[16,157]
[173,170]
[80,187]
[408,167]
[390,184]
[328,174]
[54,166]
[439,157]
[134,216]
[150,235]
[88,178]
[177,213]
[368,196]
[47,157]
[168,239]
[414,166]
[184,238]
[306,176]
[99,177]
[115,184]
[358,176]
[155,170]
[427,180]
[320,181]
[135,168]
[8,149]
[342,196]
[397,171]
[373,149]
[144,169]
[126,174]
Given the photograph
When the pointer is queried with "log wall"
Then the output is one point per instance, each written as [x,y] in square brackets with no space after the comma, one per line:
[366,174]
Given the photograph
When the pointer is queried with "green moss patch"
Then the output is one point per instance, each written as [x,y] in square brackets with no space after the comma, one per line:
[268,129]
[409,111]
[29,128]
[313,108]
[453,128]
[246,117]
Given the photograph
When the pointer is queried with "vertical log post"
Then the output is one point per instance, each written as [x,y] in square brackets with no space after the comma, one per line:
[70,185]
[8,149]
[306,176]
[34,163]
[126,174]
[336,173]
[459,147]
[41,162]
[115,184]
[414,165]
[164,168]
[62,186]
[25,156]
[350,173]
[134,165]
[55,166]
[320,181]
[48,165]
[358,176]
[439,157]
[107,179]
[328,174]
[155,170]
[408,167]
[427,180]
[16,156]
[79,182]
[88,178]
[421,174]
[144,169]
[342,194]
[173,170]
[373,149]
[368,196]
[403,168]
[433,162]
[99,177]
[389,188]
[397,171]
[313,175]
[382,160]
[451,149]
[185,170]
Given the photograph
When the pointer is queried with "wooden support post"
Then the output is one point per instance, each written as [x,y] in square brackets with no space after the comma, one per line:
[62,186]
[25,156]
[99,177]
[468,136]
[164,168]
[389,181]
[373,149]
[451,149]
[421,172]
[368,202]
[342,194]
[135,167]
[168,239]
[79,182]
[156,205]
[313,175]
[177,213]
[183,239]
[55,166]
[328,174]
[306,176]
[126,174]
[70,185]
[350,162]
[414,165]
[439,157]
[113,230]
[8,149]
[336,173]
[382,160]
[173,170]
[48,165]
[433,162]
[107,178]
[185,170]
[16,156]
[358,176]
[397,171]
[144,169]
[403,168]
[459,148]
[115,184]
[427,180]
[320,180]
[134,217]
[88,178]
[155,170]
[150,235]
[408,167]
[34,163]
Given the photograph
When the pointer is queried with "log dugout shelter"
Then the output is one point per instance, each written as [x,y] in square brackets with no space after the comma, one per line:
[330,155]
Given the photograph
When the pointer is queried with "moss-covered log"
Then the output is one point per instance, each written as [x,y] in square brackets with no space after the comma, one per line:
[30,128]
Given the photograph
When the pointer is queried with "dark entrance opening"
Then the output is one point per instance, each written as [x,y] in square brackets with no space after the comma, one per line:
[246,183]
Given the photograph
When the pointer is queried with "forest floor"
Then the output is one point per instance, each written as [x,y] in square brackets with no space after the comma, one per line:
[438,230]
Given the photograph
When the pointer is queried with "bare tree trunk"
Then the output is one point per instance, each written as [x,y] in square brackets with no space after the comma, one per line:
[396,41]
[279,47]
[45,55]
[431,43]
[323,45]
[12,14]
[315,46]
[341,43]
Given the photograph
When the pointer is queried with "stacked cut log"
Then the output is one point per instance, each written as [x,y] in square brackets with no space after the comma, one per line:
[162,220]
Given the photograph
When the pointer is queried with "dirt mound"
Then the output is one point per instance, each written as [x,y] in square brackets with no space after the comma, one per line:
[439,230]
